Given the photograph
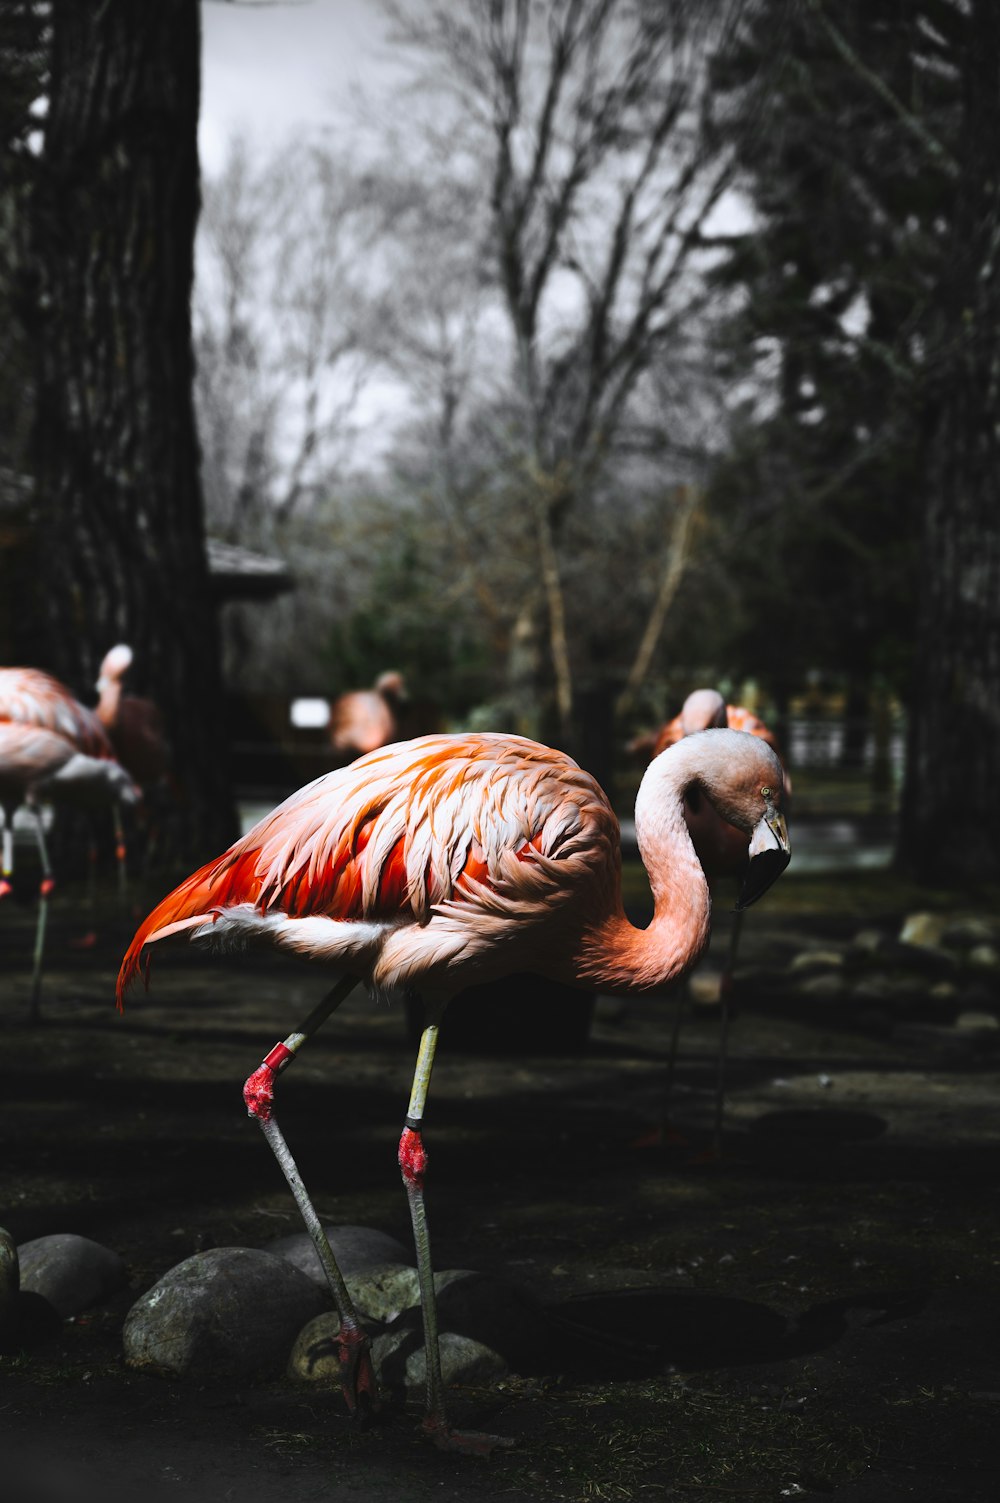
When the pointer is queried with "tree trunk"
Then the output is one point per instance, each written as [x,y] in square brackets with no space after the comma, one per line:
[950,827]
[119,497]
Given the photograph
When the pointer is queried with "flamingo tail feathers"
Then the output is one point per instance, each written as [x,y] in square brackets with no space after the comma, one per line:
[194,902]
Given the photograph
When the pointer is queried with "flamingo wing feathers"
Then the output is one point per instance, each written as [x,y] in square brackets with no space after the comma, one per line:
[30,697]
[411,830]
[671,732]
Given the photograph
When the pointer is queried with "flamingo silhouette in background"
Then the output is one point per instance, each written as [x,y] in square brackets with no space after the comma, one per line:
[441,862]
[136,731]
[134,726]
[722,850]
[52,750]
[365,719]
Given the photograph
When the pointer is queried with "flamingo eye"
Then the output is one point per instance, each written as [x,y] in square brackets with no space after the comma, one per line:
[765,792]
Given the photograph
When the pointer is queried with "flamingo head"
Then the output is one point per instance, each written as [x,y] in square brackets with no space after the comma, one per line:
[743,780]
[114,666]
[703,710]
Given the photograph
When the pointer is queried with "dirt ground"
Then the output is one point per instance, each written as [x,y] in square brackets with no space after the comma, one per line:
[816,1315]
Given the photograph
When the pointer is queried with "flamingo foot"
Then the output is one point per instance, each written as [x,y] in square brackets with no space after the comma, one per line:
[464,1442]
[357,1375]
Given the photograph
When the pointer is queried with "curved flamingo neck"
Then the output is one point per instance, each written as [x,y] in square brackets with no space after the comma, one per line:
[109,701]
[615,954]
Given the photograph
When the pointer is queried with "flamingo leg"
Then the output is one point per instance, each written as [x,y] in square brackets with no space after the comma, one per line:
[357,1375]
[7,860]
[669,1134]
[413,1167]
[725,990]
[120,854]
[44,890]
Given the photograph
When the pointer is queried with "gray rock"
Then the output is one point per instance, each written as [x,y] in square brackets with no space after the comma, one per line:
[9,1285]
[970,929]
[984,958]
[401,1361]
[977,1022]
[232,1311]
[924,929]
[705,987]
[313,1357]
[72,1273]
[492,1314]
[944,991]
[828,986]
[869,941]
[354,1247]
[808,962]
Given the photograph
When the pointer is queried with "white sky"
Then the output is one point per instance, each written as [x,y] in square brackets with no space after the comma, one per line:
[271,69]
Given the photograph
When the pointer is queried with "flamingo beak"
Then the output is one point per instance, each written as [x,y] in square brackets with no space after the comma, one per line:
[769,854]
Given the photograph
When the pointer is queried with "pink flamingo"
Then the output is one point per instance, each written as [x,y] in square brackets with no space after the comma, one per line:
[437,863]
[722,850]
[365,719]
[135,729]
[33,697]
[134,726]
[51,750]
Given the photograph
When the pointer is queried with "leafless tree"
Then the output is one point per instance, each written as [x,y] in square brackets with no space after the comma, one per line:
[585,121]
[279,311]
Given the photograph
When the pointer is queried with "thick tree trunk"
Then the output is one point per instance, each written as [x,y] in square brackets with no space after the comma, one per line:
[950,826]
[117,454]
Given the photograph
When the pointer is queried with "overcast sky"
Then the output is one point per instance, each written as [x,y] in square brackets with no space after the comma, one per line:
[270,69]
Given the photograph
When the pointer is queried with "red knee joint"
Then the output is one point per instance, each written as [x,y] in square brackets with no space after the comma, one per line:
[5,886]
[120,852]
[48,887]
[258,1091]
[412,1158]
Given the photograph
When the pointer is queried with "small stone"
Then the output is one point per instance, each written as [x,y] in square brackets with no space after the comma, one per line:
[924,929]
[354,1247]
[984,958]
[977,1022]
[868,941]
[969,930]
[944,991]
[400,1361]
[807,962]
[825,987]
[705,988]
[72,1273]
[232,1311]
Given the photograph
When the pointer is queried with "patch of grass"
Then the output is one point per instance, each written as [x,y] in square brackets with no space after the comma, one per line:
[636,1440]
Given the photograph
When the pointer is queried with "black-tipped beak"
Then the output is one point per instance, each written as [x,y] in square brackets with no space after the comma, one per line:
[769,854]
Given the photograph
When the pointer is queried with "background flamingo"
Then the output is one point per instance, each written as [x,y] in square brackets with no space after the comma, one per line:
[135,728]
[722,850]
[365,719]
[38,764]
[449,860]
[28,696]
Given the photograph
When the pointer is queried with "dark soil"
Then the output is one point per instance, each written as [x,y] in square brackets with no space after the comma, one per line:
[816,1315]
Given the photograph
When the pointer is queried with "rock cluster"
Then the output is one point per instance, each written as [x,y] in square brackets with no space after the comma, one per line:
[937,969]
[238,1312]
